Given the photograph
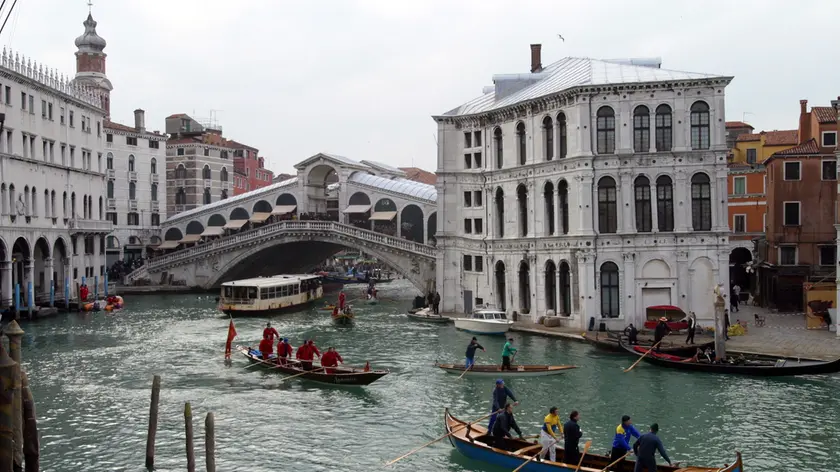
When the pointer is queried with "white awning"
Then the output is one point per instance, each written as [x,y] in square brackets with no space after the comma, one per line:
[213,231]
[357,209]
[283,209]
[235,224]
[259,217]
[383,215]
[191,238]
[169,245]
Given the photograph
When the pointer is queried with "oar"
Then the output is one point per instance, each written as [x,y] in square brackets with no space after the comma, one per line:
[585,450]
[465,371]
[643,356]
[534,456]
[616,462]
[302,373]
[443,437]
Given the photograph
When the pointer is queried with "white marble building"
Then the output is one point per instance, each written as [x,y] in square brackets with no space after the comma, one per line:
[591,188]
[135,162]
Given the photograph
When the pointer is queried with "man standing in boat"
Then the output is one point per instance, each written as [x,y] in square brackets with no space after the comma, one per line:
[507,352]
[342,298]
[503,425]
[284,351]
[500,396]
[660,332]
[330,359]
[270,332]
[632,334]
[548,434]
[266,346]
[621,441]
[572,435]
[471,352]
[645,449]
[306,354]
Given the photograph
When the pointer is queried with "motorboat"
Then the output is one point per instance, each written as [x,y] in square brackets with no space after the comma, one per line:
[485,321]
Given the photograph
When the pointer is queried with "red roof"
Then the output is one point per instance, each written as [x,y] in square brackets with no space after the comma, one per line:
[120,127]
[419,175]
[781,138]
[825,114]
[738,124]
[183,141]
[177,115]
[808,147]
[749,137]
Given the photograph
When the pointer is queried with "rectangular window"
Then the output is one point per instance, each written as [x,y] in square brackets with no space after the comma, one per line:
[112,217]
[468,263]
[828,255]
[155,219]
[49,111]
[829,170]
[61,119]
[43,108]
[477,198]
[63,155]
[467,139]
[478,263]
[98,129]
[752,156]
[467,226]
[467,199]
[793,171]
[72,123]
[739,224]
[740,185]
[478,226]
[131,141]
[31,105]
[23,100]
[467,161]
[109,138]
[787,255]
[477,140]
[180,151]
[154,144]
[206,151]
[8,95]
[829,138]
[791,216]
[477,159]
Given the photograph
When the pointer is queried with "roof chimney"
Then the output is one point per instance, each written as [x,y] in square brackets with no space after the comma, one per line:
[536,57]
[804,122]
[140,120]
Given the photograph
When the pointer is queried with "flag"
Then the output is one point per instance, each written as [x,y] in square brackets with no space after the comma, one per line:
[231,335]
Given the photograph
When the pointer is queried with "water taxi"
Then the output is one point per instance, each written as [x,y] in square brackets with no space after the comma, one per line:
[485,321]
[269,295]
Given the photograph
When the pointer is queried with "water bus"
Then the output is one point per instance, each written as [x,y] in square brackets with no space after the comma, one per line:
[269,295]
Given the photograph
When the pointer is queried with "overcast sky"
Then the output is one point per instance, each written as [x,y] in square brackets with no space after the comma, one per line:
[362,78]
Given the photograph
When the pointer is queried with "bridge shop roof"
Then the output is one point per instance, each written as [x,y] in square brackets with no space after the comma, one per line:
[398,185]
[226,202]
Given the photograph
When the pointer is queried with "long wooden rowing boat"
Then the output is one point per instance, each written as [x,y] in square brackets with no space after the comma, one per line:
[473,442]
[346,376]
[326,307]
[496,370]
[343,318]
[611,343]
[765,366]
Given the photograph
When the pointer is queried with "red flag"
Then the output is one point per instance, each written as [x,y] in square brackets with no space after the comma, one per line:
[231,335]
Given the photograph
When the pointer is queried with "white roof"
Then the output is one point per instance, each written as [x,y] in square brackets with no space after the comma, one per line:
[384,168]
[242,196]
[406,187]
[269,281]
[573,72]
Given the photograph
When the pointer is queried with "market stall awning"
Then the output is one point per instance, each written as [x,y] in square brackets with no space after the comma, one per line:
[283,209]
[383,215]
[213,231]
[191,238]
[169,245]
[235,224]
[357,209]
[259,217]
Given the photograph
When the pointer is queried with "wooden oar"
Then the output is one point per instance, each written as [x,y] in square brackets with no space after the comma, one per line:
[302,373]
[465,371]
[643,356]
[534,456]
[585,450]
[616,462]
[443,437]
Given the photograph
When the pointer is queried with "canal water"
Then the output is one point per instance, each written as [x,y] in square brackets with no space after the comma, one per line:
[91,376]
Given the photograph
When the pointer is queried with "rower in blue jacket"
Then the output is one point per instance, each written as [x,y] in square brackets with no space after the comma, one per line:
[621,442]
[499,400]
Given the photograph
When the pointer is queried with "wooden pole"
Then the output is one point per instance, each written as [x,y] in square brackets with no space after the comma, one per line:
[585,450]
[14,333]
[720,328]
[31,443]
[210,442]
[616,462]
[188,429]
[643,356]
[7,440]
[153,420]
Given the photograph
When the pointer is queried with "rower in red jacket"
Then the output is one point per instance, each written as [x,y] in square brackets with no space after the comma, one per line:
[341,299]
[266,347]
[335,311]
[284,351]
[270,332]
[305,353]
[331,359]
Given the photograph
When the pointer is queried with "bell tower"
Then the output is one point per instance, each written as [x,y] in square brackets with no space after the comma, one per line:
[90,62]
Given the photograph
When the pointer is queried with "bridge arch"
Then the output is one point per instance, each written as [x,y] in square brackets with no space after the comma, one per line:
[195,227]
[173,234]
[316,182]
[411,223]
[286,199]
[262,206]
[431,228]
[216,220]
[239,213]
[384,217]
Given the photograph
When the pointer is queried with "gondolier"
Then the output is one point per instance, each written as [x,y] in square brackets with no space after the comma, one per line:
[621,441]
[270,332]
[500,396]
[549,434]
[661,331]
[471,352]
[507,352]
[645,449]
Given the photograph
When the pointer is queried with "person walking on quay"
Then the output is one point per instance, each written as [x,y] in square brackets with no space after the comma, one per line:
[645,449]
[500,396]
[548,434]
[621,441]
[266,346]
[284,351]
[508,351]
[632,334]
[342,298]
[692,327]
[436,303]
[471,347]
[660,332]
[270,332]
[504,423]
[572,435]
[430,300]
[733,298]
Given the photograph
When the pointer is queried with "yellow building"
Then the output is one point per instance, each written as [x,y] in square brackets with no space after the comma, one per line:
[755,148]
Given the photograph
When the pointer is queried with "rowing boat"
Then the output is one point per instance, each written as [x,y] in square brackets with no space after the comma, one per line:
[610,343]
[496,370]
[327,307]
[509,453]
[425,314]
[347,376]
[343,318]
[765,366]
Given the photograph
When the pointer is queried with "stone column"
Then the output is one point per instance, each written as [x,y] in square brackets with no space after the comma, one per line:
[682,202]
[624,203]
[586,287]
[654,209]
[7,289]
[653,130]
[68,281]
[48,267]
[628,302]
[14,333]
[683,282]
[720,326]
[584,203]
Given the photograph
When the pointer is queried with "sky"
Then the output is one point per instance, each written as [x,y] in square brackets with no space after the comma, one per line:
[362,78]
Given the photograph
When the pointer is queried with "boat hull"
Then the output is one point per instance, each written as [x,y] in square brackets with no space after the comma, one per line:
[517,371]
[342,319]
[482,326]
[274,311]
[425,314]
[611,344]
[349,377]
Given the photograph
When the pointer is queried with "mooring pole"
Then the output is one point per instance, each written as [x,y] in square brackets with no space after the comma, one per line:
[153,419]
[7,440]
[31,443]
[14,333]
[188,427]
[210,442]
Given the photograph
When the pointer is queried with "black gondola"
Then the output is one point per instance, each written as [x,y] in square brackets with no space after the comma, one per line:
[611,343]
[743,364]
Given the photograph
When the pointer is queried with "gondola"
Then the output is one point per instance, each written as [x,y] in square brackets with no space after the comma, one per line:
[472,441]
[610,343]
[425,314]
[343,318]
[346,376]
[496,371]
[743,364]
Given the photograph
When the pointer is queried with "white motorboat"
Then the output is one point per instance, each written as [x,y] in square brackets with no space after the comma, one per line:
[485,321]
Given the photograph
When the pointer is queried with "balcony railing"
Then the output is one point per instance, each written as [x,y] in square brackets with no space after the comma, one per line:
[111,203]
[155,205]
[132,205]
[110,174]
[179,208]
[132,176]
[154,178]
[90,226]
[180,183]
[208,183]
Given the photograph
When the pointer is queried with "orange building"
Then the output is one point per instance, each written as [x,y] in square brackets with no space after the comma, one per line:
[747,201]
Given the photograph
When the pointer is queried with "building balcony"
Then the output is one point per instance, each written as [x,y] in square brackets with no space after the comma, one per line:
[132,176]
[208,183]
[154,178]
[155,205]
[89,226]
[180,183]
[180,208]
[228,185]
[111,203]
[110,174]
[109,145]
[132,205]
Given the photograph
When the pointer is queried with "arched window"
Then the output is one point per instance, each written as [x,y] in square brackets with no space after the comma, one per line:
[181,172]
[34,208]
[47,204]
[26,200]
[563,196]
[521,143]
[181,197]
[701,202]
[154,192]
[206,196]
[550,286]
[565,289]
[606,130]
[499,148]
[4,200]
[609,290]
[132,191]
[73,205]
[700,125]
[500,213]
[644,223]
[205,173]
[561,131]
[64,210]
[548,137]
[607,206]
[223,175]
[224,194]
[52,203]
[641,129]
[110,189]
[154,166]
[664,128]
[548,195]
[665,203]
[131,163]
[109,161]
[522,200]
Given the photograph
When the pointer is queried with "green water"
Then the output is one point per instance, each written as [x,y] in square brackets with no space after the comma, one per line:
[91,377]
